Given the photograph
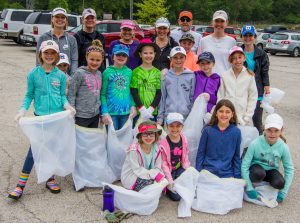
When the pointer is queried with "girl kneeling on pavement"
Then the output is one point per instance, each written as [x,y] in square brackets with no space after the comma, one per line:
[262,160]
[142,166]
[44,83]
[175,154]
[219,147]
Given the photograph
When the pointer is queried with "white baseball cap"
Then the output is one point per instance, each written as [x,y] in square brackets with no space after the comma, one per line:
[63,58]
[220,14]
[49,44]
[162,22]
[274,121]
[58,11]
[174,117]
[177,49]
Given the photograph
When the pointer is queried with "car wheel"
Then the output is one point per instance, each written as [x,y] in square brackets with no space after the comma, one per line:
[260,46]
[272,53]
[295,52]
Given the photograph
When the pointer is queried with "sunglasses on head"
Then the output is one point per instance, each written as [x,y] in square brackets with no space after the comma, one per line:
[185,19]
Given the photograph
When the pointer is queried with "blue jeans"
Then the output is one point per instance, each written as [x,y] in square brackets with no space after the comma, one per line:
[28,164]
[119,120]
[175,174]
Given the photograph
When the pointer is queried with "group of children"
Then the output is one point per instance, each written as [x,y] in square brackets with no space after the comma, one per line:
[165,99]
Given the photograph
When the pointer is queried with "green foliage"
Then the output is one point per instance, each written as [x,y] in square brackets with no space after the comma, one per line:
[58,3]
[150,10]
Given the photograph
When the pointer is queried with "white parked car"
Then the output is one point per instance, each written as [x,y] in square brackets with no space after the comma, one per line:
[262,39]
[12,22]
[38,23]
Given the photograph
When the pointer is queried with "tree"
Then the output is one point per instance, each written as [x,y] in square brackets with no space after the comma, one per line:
[150,10]
[58,3]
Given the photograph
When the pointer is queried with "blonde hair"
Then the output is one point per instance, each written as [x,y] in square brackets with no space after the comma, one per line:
[95,47]
[41,61]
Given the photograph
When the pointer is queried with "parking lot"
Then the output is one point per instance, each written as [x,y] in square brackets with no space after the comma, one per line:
[39,205]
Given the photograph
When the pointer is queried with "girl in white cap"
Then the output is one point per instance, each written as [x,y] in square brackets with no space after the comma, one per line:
[263,157]
[174,152]
[46,86]
[63,64]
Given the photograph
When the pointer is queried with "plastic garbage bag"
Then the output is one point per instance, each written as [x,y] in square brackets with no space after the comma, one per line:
[91,168]
[185,186]
[218,195]
[267,195]
[52,139]
[193,126]
[249,133]
[144,202]
[272,99]
[117,144]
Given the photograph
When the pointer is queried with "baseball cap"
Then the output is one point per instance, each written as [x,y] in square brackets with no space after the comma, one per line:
[63,58]
[248,29]
[162,22]
[49,44]
[177,49]
[274,121]
[187,36]
[87,12]
[186,14]
[174,117]
[207,56]
[236,49]
[127,24]
[220,14]
[58,11]
[120,48]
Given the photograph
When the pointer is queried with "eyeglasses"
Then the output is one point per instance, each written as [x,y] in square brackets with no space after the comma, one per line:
[185,19]
[147,134]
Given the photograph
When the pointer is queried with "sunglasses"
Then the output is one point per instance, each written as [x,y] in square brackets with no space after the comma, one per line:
[121,55]
[185,19]
[147,134]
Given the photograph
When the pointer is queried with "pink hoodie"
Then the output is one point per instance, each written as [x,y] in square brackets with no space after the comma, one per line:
[166,157]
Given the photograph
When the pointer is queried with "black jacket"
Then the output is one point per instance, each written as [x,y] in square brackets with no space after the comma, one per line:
[163,61]
[261,69]
[84,40]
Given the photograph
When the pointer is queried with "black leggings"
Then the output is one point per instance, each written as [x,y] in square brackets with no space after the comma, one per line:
[274,177]
[88,122]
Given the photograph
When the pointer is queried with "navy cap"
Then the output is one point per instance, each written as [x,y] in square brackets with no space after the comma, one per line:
[207,56]
[248,29]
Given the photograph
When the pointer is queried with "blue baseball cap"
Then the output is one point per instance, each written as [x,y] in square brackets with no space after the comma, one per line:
[248,29]
[120,48]
[207,56]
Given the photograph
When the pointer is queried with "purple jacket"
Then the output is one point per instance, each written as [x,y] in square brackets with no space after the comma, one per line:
[209,85]
[133,61]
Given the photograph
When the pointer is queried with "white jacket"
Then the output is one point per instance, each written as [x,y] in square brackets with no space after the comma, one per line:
[241,91]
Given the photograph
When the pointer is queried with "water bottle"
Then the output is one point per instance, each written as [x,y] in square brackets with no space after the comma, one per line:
[108,199]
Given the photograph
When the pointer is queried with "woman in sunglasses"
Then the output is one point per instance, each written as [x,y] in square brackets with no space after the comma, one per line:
[67,43]
[185,22]
[218,43]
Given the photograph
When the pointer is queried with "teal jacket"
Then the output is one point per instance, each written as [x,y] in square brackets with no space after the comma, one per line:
[46,90]
[268,157]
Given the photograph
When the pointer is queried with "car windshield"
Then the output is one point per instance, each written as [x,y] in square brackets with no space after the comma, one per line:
[229,30]
[72,21]
[280,36]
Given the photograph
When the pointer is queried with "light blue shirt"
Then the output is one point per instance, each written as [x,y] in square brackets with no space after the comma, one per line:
[250,61]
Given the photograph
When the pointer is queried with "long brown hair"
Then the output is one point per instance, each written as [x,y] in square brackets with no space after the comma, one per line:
[227,103]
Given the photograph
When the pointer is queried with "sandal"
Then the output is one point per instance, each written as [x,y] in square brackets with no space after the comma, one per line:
[16,194]
[52,185]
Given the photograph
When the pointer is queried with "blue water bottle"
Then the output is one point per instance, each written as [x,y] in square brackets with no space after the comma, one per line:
[108,199]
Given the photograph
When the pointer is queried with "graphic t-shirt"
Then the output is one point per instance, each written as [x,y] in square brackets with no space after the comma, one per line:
[176,153]
[147,82]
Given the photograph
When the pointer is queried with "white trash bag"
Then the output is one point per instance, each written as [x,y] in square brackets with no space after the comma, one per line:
[91,168]
[272,99]
[144,202]
[53,142]
[193,126]
[249,133]
[218,195]
[185,186]
[117,144]
[267,196]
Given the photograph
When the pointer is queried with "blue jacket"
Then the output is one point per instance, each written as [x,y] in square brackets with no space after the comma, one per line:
[46,90]
[219,152]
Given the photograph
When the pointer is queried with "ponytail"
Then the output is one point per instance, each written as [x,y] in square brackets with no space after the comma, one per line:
[283,138]
[95,47]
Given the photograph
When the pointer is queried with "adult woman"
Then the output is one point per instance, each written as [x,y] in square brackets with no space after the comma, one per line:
[165,43]
[67,43]
[127,38]
[258,62]
[218,43]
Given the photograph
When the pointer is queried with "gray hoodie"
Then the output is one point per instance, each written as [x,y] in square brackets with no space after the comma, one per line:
[177,93]
[67,44]
[84,92]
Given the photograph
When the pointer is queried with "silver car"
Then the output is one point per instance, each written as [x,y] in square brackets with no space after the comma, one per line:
[284,42]
[262,39]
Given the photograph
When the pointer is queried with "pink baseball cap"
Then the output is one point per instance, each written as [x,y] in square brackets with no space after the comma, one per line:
[49,44]
[127,24]
[236,49]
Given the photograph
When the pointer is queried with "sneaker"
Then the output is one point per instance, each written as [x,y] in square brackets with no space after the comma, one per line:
[53,186]
[16,194]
